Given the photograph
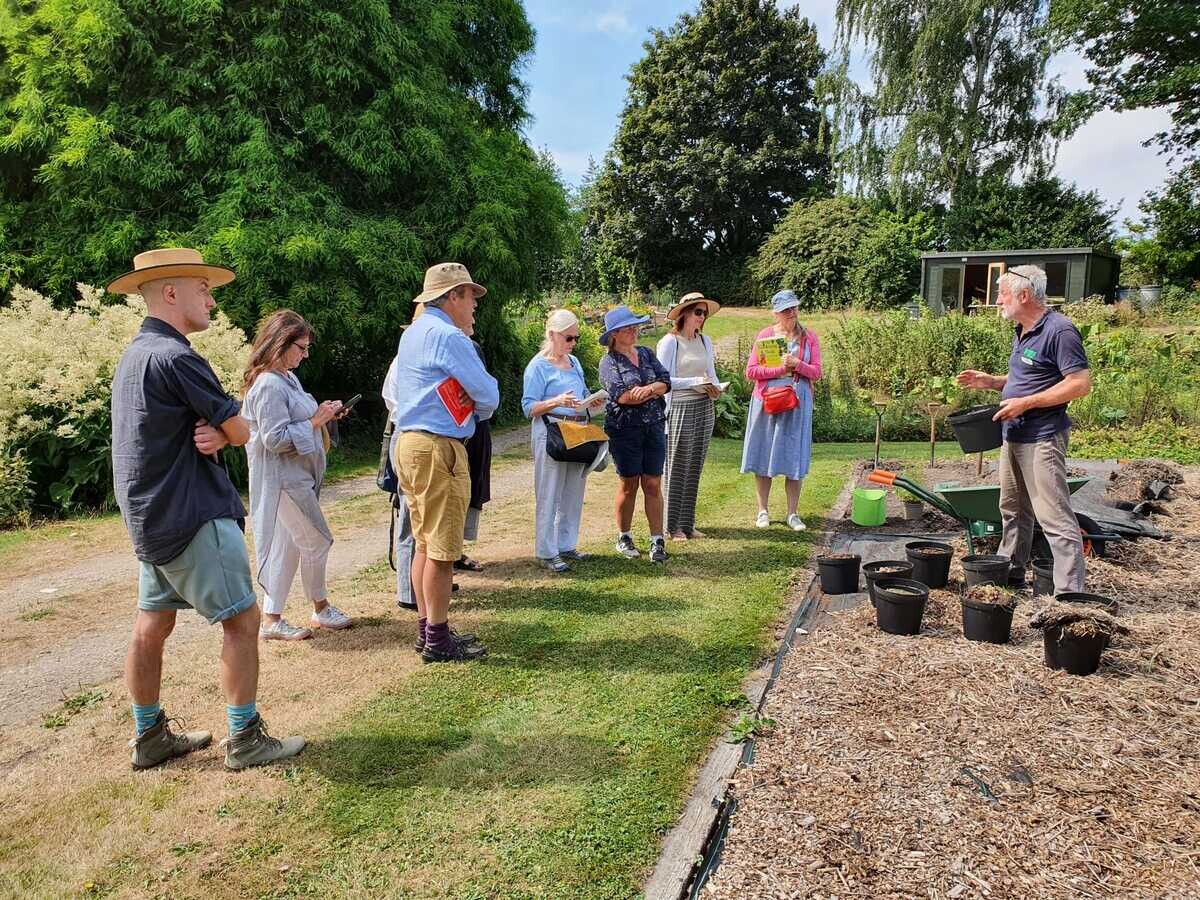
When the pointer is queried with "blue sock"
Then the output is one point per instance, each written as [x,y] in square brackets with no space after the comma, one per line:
[241,716]
[144,717]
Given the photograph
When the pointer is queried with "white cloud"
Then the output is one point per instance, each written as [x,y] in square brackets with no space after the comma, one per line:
[614,22]
[1106,155]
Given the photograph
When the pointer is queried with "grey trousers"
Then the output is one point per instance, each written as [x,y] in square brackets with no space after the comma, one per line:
[1033,485]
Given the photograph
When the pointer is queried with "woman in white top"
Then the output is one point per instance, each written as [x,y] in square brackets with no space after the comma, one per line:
[554,387]
[691,408]
[287,466]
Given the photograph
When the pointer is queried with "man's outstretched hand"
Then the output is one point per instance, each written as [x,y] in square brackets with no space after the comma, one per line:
[973,378]
[209,441]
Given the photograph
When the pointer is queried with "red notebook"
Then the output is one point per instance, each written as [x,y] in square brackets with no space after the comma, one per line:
[456,401]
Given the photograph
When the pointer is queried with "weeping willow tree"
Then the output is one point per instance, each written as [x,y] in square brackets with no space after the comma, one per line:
[959,91]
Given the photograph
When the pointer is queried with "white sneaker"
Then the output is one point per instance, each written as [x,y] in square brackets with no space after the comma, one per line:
[795,522]
[763,520]
[283,631]
[332,618]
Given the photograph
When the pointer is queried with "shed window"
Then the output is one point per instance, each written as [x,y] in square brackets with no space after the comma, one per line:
[1056,279]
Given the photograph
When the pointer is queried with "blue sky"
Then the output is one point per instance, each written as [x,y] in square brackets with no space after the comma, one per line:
[584,49]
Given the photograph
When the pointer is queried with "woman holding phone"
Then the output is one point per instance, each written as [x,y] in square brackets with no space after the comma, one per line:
[288,442]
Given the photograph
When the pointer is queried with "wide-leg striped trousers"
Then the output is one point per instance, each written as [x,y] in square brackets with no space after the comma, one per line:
[689,429]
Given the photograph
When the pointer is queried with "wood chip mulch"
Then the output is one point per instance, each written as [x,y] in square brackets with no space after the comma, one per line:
[931,766]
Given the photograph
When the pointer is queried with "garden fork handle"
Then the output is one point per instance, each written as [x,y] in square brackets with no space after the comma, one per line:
[882,476]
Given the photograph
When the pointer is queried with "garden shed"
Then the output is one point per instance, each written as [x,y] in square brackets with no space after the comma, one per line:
[966,281]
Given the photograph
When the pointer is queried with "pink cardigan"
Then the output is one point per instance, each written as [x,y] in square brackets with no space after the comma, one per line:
[761,374]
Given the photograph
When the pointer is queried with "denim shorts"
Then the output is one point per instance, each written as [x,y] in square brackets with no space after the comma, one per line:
[211,576]
[639,449]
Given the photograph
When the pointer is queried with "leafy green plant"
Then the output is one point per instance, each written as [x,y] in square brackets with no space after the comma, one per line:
[16,488]
[748,727]
[72,706]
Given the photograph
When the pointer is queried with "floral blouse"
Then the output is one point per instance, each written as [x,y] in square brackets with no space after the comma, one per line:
[618,375]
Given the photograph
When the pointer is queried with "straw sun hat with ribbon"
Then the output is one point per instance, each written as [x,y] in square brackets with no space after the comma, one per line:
[169,262]
[689,300]
[445,277]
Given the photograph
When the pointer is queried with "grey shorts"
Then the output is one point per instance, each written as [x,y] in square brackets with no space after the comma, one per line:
[211,576]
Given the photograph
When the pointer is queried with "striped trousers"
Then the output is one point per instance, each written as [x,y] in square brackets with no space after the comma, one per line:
[689,429]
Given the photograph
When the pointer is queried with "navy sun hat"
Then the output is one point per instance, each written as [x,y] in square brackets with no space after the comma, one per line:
[784,300]
[622,317]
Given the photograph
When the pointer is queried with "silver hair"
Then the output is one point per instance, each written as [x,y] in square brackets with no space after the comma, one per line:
[439,302]
[1018,278]
[558,321]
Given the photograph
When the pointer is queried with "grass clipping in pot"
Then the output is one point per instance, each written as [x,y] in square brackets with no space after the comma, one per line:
[991,595]
[1076,621]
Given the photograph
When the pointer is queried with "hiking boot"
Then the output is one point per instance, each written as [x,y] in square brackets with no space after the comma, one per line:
[159,743]
[252,746]
[332,618]
[658,551]
[466,638]
[462,652]
[283,630]
[574,556]
[555,564]
[626,548]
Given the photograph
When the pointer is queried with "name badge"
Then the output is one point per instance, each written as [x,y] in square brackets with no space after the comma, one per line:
[1028,355]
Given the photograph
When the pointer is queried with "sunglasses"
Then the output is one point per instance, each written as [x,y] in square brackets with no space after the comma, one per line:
[570,338]
[701,311]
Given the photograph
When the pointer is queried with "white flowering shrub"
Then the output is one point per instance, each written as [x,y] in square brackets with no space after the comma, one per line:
[56,369]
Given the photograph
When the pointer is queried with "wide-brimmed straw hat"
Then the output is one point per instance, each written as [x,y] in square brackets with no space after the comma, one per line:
[169,262]
[445,277]
[690,300]
[620,317]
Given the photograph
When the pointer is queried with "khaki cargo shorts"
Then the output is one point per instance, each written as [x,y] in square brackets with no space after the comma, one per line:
[436,482]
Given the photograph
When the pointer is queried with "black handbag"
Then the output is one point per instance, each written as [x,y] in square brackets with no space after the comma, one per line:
[556,447]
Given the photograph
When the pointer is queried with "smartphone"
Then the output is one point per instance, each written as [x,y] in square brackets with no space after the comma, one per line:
[349,405]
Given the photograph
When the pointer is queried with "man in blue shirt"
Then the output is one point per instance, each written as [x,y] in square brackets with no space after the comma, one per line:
[170,420]
[441,389]
[1048,369]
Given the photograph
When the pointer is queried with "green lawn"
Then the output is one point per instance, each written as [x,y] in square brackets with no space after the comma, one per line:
[554,767]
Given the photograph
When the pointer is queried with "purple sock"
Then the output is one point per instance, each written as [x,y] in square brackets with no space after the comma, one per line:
[438,636]
[421,630]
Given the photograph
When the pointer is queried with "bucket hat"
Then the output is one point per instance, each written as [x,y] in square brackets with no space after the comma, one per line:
[618,318]
[784,300]
[445,277]
[169,262]
[689,300]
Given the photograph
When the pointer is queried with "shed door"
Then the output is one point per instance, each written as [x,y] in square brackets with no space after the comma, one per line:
[950,294]
[995,270]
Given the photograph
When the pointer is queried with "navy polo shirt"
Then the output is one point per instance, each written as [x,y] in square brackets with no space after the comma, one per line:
[1042,357]
[165,487]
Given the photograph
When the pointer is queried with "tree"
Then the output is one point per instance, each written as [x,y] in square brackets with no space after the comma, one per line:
[1143,53]
[327,151]
[959,92]
[886,267]
[1166,244]
[1043,211]
[813,250]
[718,135]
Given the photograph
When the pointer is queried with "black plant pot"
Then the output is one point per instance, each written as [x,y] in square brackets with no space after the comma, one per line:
[975,430]
[931,569]
[986,569]
[1043,576]
[839,576]
[900,605]
[988,622]
[1072,653]
[872,574]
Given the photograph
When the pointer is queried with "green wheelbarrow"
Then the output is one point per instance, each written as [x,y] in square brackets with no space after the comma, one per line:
[977,509]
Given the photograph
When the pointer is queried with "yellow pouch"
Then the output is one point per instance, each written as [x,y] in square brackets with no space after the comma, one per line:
[576,433]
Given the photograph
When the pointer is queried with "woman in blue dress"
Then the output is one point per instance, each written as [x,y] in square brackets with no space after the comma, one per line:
[780,443]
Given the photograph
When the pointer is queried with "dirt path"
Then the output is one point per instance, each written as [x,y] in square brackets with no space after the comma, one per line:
[67,626]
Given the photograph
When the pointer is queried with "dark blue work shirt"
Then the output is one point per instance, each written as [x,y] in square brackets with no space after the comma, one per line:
[165,487]
[618,375]
[1042,357]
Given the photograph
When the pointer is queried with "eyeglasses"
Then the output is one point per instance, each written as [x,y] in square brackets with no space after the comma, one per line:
[570,338]
[303,348]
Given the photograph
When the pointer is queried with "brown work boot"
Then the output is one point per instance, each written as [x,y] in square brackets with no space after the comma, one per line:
[252,746]
[160,743]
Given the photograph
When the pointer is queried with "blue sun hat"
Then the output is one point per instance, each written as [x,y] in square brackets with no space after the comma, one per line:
[784,300]
[622,317]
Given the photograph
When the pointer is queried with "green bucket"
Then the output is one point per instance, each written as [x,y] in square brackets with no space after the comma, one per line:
[869,507]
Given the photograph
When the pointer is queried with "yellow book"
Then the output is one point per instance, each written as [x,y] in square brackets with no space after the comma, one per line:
[771,350]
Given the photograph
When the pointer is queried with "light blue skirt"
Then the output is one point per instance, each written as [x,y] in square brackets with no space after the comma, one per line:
[780,444]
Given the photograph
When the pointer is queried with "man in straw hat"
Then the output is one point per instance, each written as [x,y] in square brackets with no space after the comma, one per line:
[441,388]
[170,418]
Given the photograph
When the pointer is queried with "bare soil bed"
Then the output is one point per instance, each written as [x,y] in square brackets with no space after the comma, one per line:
[931,766]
